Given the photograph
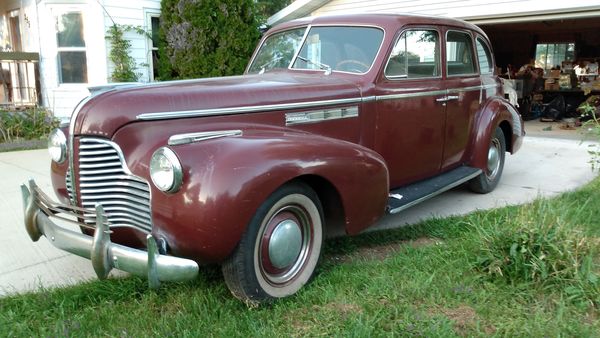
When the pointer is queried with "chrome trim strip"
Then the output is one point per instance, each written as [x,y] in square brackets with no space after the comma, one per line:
[437,192]
[247,109]
[188,138]
[410,95]
[320,115]
[295,105]
[118,190]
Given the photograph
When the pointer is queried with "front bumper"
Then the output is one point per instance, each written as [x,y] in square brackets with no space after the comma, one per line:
[105,255]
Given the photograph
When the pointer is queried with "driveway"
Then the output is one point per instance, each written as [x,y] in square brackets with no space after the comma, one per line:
[543,167]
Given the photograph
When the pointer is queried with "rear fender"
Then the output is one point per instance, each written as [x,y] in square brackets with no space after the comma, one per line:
[497,112]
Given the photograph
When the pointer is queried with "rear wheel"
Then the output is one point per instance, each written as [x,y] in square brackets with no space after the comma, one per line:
[489,178]
[281,247]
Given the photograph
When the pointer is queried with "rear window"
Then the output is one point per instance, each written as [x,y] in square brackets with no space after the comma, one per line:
[459,54]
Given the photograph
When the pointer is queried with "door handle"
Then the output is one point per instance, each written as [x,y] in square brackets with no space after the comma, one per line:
[447,98]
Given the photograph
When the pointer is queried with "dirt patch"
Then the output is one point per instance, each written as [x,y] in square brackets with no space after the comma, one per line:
[464,319]
[381,252]
[303,319]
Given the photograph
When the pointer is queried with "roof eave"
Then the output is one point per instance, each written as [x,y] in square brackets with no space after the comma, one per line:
[297,9]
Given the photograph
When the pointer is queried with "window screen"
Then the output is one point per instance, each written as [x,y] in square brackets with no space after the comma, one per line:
[72,60]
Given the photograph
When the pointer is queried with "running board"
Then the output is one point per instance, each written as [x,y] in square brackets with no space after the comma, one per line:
[405,197]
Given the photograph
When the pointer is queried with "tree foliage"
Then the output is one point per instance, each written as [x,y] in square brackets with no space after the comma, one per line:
[206,38]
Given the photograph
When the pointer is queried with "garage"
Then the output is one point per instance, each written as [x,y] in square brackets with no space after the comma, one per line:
[553,61]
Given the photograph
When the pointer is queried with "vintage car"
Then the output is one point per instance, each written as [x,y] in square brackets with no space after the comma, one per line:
[336,121]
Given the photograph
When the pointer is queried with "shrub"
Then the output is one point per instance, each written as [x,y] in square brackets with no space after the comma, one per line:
[30,124]
[206,38]
[125,66]
[542,246]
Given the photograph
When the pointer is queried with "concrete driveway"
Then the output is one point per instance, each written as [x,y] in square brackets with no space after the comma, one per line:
[543,167]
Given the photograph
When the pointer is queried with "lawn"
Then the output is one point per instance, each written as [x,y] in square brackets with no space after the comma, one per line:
[530,270]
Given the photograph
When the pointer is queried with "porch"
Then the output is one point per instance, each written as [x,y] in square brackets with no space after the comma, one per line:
[19,80]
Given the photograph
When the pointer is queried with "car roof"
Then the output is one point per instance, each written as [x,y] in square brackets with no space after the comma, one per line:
[385,21]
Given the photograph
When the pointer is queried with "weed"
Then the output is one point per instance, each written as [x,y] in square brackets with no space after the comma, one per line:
[545,246]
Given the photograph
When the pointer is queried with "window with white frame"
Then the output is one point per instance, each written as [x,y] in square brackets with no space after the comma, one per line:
[72,59]
[154,23]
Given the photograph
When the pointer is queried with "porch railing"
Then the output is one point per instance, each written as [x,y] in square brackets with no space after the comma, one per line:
[19,79]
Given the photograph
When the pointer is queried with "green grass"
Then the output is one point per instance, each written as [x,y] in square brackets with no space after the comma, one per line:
[459,276]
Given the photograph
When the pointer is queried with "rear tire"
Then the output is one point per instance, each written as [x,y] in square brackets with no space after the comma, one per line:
[280,249]
[489,178]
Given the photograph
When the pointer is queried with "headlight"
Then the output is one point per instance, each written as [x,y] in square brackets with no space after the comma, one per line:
[57,146]
[165,170]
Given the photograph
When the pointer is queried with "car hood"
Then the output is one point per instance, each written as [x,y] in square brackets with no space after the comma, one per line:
[105,113]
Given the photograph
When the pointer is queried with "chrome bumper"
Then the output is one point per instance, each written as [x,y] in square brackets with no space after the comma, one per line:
[104,254]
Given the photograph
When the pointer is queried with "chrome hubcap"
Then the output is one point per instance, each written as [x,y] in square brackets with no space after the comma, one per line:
[493,163]
[285,244]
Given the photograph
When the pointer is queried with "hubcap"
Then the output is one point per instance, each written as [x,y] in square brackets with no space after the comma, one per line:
[285,244]
[493,163]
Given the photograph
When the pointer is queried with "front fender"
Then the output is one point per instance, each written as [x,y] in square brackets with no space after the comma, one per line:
[497,112]
[227,179]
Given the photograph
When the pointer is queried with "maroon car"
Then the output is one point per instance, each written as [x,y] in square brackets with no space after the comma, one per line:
[336,121]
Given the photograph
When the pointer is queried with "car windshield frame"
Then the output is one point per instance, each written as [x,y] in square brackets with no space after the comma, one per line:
[312,64]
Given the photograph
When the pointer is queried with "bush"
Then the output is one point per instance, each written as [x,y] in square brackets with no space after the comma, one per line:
[542,246]
[125,66]
[30,124]
[206,38]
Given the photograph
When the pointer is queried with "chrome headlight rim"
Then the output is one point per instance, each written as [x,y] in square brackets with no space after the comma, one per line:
[57,140]
[177,169]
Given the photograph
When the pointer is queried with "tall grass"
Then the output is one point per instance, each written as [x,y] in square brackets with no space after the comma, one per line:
[544,244]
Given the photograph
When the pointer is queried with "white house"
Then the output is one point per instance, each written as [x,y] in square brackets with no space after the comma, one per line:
[69,37]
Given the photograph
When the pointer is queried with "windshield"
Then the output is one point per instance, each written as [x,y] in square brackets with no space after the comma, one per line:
[277,51]
[328,48]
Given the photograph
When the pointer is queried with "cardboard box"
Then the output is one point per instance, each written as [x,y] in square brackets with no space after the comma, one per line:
[555,74]
[551,84]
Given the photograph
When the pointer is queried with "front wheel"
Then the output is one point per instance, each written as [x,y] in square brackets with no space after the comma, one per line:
[281,247]
[489,178]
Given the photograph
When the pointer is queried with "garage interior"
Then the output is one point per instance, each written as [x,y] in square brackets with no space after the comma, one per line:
[568,76]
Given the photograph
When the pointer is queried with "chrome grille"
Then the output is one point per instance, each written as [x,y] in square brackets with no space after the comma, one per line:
[105,179]
[69,184]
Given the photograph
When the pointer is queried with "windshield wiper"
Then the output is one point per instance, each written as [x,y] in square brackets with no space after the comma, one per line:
[273,61]
[323,66]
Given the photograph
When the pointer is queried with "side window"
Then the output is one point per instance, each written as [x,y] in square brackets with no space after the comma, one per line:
[415,55]
[459,54]
[484,57]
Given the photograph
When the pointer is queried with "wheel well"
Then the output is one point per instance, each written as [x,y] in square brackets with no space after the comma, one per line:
[333,210]
[507,131]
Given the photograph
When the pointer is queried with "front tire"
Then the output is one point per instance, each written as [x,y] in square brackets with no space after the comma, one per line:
[280,249]
[489,178]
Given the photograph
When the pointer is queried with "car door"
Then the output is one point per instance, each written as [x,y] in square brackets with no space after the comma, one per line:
[410,120]
[464,94]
